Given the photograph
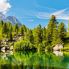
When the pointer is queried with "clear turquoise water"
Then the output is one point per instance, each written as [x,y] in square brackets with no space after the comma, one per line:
[20,60]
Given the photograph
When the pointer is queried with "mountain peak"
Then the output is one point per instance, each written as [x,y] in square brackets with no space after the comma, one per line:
[12,19]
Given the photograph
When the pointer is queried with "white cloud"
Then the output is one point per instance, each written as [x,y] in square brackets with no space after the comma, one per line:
[30,20]
[60,14]
[4,6]
[42,15]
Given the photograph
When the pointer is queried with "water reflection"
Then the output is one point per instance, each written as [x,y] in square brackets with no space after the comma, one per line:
[4,55]
[58,53]
[21,60]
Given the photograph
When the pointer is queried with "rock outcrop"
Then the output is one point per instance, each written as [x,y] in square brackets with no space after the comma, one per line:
[58,47]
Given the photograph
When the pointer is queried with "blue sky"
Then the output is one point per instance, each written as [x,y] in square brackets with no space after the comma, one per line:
[34,12]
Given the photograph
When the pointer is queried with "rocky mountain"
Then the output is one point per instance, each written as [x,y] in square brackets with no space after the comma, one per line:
[13,20]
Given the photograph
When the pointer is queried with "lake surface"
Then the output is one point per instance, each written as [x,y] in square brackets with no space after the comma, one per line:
[23,60]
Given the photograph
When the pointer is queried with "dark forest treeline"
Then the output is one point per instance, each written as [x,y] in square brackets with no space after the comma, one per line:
[39,37]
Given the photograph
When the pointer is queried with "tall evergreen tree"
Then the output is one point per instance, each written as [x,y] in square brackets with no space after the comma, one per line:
[62,30]
[52,24]
[22,30]
[5,29]
[29,36]
[68,30]
[44,39]
[10,36]
[1,22]
[55,38]
[44,34]
[16,28]
[38,34]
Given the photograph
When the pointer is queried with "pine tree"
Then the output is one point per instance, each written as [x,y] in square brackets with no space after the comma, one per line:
[44,34]
[22,30]
[62,30]
[51,26]
[68,30]
[5,29]
[55,38]
[1,22]
[11,28]
[16,28]
[29,36]
[38,34]
[10,36]
[44,39]
[10,32]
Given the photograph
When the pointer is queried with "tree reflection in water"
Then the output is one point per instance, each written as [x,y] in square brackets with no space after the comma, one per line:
[23,60]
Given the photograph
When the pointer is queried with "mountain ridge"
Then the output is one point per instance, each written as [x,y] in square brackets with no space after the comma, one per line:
[13,20]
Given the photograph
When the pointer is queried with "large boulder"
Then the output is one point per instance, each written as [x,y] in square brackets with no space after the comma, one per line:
[58,47]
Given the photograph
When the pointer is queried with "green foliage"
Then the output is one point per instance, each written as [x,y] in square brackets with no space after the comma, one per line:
[51,26]
[22,30]
[38,34]
[10,36]
[29,36]
[39,37]
[62,30]
[22,45]
[56,38]
[16,28]
[5,29]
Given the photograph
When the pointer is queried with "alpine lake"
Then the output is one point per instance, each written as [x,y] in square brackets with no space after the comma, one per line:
[36,60]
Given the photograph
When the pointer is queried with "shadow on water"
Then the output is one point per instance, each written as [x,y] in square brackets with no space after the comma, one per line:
[34,60]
